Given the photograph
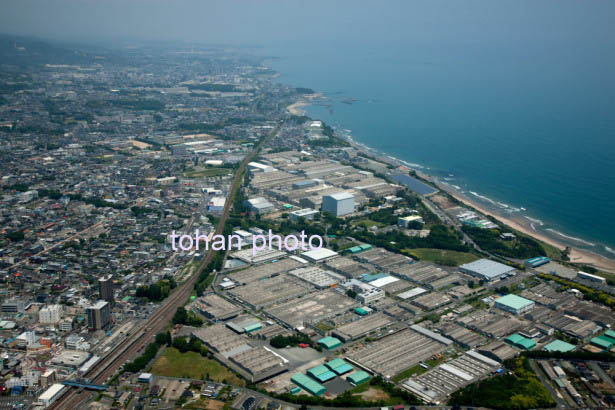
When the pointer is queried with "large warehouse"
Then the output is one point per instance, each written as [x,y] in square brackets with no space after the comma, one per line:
[487,270]
[309,385]
[339,204]
[514,304]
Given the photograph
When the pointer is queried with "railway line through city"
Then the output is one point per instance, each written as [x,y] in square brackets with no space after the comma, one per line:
[160,319]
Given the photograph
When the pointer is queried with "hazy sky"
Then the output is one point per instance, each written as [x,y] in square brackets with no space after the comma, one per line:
[310,22]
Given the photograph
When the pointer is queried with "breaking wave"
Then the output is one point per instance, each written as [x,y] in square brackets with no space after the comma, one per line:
[572,238]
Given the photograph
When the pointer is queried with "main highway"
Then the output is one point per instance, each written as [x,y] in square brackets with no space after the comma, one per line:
[159,320]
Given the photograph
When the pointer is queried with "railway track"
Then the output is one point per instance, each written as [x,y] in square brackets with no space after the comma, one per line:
[159,320]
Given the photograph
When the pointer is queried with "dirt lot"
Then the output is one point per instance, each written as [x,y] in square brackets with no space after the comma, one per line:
[214,404]
[373,394]
[140,144]
[443,201]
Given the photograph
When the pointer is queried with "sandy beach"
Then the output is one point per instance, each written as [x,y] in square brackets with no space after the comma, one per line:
[295,108]
[576,255]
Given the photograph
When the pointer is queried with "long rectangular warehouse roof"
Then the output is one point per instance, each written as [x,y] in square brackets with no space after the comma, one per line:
[432,335]
[486,268]
[308,384]
[514,301]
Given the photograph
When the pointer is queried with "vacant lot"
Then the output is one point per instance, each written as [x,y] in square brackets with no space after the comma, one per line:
[206,172]
[443,257]
[204,403]
[368,223]
[192,365]
[443,201]
[374,394]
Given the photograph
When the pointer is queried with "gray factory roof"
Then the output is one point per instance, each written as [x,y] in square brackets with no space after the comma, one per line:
[341,196]
[432,335]
[487,268]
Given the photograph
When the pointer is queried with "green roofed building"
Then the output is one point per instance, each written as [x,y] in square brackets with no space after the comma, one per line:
[307,384]
[360,311]
[559,346]
[253,327]
[537,261]
[339,366]
[360,248]
[514,304]
[527,344]
[295,390]
[520,342]
[329,342]
[359,377]
[603,342]
[610,334]
[321,373]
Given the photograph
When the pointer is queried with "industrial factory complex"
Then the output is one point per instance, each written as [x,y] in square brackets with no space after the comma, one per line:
[409,295]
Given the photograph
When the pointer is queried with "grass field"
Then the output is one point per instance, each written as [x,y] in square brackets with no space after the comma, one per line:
[325,327]
[443,257]
[368,223]
[413,371]
[192,365]
[207,172]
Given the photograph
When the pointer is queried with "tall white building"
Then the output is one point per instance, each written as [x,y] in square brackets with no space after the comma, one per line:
[339,204]
[50,314]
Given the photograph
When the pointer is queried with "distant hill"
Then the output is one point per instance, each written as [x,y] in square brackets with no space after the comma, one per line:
[23,51]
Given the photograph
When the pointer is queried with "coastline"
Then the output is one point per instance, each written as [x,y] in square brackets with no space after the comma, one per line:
[576,255]
[296,108]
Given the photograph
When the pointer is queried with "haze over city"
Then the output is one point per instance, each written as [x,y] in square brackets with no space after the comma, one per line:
[439,175]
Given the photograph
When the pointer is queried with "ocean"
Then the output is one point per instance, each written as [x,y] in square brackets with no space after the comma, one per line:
[529,130]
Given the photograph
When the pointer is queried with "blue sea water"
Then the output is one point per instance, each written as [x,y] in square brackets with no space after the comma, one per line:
[531,126]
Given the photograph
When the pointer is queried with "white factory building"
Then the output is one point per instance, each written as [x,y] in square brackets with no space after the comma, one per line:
[307,213]
[366,293]
[487,270]
[407,220]
[216,204]
[259,205]
[255,167]
[338,204]
[51,394]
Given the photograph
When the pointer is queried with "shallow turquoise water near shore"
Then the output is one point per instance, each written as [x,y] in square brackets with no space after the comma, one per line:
[526,129]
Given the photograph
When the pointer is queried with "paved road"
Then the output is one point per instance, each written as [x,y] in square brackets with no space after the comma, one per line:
[559,399]
[602,374]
